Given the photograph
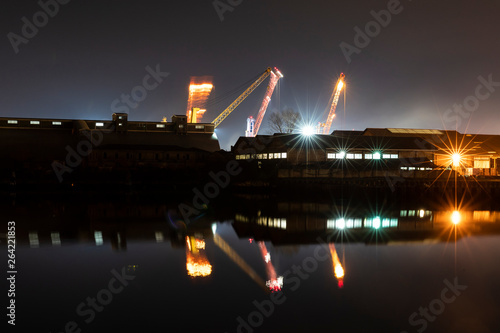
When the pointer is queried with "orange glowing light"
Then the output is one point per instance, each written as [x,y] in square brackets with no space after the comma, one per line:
[456,157]
[197,266]
[338,270]
[455,217]
[199,90]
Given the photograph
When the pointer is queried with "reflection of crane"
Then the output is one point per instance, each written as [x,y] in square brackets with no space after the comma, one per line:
[240,99]
[274,282]
[335,100]
[196,262]
[275,76]
[337,265]
[238,260]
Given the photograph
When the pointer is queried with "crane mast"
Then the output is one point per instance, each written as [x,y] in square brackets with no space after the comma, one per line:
[275,76]
[335,100]
[240,99]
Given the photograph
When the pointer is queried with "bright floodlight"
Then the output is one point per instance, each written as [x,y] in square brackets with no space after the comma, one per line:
[456,157]
[376,156]
[455,217]
[307,130]
[376,222]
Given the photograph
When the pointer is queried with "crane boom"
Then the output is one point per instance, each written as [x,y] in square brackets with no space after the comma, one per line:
[240,99]
[275,76]
[335,100]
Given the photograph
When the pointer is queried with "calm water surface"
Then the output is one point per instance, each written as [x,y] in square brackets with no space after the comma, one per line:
[254,264]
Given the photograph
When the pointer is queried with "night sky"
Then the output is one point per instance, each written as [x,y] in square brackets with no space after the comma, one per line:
[410,73]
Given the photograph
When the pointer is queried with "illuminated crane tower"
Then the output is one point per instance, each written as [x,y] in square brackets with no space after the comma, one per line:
[250,132]
[240,98]
[275,76]
[335,100]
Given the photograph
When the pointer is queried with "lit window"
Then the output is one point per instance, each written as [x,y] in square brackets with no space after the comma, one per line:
[259,156]
[56,123]
[56,238]
[264,156]
[247,156]
[11,121]
[368,156]
[181,126]
[411,168]
[411,213]
[237,157]
[330,155]
[33,238]
[358,156]
[98,238]
[160,125]
[386,156]
[403,213]
[99,124]
[376,156]
[120,117]
[199,127]
[350,156]
[404,168]
[34,122]
[428,168]
[394,156]
[277,155]
[421,168]
[283,155]
[120,124]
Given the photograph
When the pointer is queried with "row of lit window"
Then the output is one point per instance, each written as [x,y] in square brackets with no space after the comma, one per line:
[358,156]
[35,242]
[273,222]
[420,213]
[33,122]
[415,168]
[261,156]
[375,222]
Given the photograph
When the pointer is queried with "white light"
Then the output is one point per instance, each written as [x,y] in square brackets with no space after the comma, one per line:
[455,217]
[340,224]
[376,156]
[376,222]
[307,130]
[99,124]
[214,228]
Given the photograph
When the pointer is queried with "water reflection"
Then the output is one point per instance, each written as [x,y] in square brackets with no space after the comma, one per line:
[197,263]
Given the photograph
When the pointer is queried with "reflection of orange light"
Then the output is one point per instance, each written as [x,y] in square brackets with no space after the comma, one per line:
[338,270]
[197,265]
[196,262]
[199,90]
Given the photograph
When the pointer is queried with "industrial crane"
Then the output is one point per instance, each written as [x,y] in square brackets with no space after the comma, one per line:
[335,100]
[240,99]
[275,76]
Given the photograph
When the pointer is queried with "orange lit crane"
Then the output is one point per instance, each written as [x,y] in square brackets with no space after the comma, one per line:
[335,100]
[275,76]
[240,99]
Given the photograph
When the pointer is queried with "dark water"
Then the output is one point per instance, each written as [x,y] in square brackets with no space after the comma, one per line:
[113,263]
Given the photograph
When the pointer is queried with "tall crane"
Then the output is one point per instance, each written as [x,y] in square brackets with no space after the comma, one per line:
[335,100]
[240,99]
[275,76]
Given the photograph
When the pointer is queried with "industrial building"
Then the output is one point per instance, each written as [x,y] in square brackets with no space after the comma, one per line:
[373,152]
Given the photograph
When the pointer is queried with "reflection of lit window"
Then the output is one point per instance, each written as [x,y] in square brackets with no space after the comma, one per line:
[403,213]
[98,238]
[411,213]
[159,236]
[330,224]
[385,223]
[33,237]
[394,222]
[358,223]
[368,156]
[56,238]
[358,156]
[340,155]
